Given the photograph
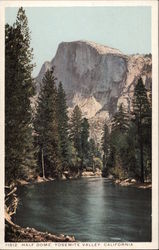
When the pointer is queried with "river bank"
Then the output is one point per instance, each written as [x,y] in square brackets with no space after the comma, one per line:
[16,233]
[72,207]
[65,176]
[132,183]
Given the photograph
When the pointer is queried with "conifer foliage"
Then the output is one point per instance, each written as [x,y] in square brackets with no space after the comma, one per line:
[120,120]
[19,88]
[75,129]
[118,142]
[85,150]
[105,147]
[128,149]
[46,125]
[84,142]
[142,121]
[63,127]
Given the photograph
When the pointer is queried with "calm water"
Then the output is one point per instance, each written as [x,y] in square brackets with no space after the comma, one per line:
[91,209]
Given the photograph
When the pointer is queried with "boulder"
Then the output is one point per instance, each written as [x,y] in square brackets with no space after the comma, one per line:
[127,180]
[133,181]
[63,177]
[110,176]
[117,181]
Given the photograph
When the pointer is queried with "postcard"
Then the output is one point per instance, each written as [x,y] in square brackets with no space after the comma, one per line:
[79,124]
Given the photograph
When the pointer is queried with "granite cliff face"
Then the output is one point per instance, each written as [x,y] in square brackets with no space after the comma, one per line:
[97,78]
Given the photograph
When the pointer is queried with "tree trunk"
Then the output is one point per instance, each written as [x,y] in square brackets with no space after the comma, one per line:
[142,162]
[42,162]
[141,150]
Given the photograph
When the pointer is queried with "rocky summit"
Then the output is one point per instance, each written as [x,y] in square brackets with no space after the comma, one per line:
[97,78]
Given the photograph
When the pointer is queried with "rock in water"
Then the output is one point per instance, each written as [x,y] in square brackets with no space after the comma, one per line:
[97,78]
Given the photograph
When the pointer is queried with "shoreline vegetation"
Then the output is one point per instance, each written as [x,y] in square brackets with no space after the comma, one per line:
[133,183]
[88,174]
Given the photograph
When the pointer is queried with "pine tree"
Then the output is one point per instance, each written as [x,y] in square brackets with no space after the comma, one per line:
[130,152]
[92,151]
[120,120]
[148,138]
[75,129]
[84,141]
[46,125]
[19,88]
[105,147]
[142,119]
[120,126]
[62,119]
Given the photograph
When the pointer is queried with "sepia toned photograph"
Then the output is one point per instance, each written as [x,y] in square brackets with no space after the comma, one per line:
[80,125]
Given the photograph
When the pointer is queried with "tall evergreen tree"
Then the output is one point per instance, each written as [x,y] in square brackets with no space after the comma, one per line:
[148,138]
[142,119]
[105,147]
[130,153]
[46,125]
[94,148]
[120,125]
[62,119]
[92,151]
[19,88]
[120,120]
[75,129]
[84,141]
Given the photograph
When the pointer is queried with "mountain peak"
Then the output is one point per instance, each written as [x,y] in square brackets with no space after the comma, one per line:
[97,78]
[101,49]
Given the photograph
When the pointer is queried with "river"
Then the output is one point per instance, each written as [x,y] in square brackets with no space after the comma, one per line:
[91,209]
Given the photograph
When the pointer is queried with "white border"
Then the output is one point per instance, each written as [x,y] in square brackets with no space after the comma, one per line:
[2,66]
[56,3]
[154,243]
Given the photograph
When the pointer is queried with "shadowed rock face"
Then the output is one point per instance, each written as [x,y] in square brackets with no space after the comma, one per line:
[89,70]
[97,78]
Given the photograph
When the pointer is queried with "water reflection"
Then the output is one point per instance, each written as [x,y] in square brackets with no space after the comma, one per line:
[92,209]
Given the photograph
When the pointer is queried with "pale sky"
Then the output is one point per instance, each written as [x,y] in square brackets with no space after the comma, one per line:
[125,28]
